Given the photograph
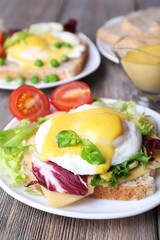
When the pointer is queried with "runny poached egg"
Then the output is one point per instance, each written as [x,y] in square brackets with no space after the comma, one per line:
[114,134]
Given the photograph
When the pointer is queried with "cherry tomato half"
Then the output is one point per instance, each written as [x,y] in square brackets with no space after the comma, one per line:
[71,95]
[29,102]
[1,37]
[1,50]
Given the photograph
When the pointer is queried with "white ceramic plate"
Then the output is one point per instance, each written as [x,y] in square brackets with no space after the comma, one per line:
[90,208]
[92,63]
[104,47]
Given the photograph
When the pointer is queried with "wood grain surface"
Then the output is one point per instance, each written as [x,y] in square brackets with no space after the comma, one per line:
[21,222]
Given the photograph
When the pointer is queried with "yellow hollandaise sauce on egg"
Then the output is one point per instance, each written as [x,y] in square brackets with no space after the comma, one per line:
[37,47]
[101,126]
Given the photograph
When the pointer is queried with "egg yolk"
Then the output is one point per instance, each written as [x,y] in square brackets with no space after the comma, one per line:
[100,125]
[37,47]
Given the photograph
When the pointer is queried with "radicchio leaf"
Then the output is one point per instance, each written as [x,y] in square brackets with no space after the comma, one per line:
[70,26]
[12,31]
[150,144]
[58,179]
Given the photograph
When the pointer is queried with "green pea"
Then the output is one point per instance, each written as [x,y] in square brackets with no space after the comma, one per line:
[53,78]
[45,79]
[64,58]
[67,45]
[57,45]
[2,62]
[34,80]
[54,63]
[38,63]
[20,80]
[7,79]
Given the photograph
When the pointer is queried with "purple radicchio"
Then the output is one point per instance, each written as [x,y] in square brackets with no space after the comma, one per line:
[70,26]
[150,144]
[58,179]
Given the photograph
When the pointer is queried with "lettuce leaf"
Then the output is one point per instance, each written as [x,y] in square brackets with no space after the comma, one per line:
[12,150]
[41,120]
[123,170]
[10,161]
[129,108]
[16,37]
[13,137]
[34,192]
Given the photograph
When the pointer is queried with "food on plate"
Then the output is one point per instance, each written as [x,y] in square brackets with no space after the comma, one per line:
[45,52]
[71,95]
[143,67]
[134,30]
[101,150]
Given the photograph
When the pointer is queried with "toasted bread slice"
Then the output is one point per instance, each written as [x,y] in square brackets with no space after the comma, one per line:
[143,23]
[111,33]
[65,70]
[115,35]
[132,190]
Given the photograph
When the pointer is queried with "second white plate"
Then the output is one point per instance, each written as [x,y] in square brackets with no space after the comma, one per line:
[92,63]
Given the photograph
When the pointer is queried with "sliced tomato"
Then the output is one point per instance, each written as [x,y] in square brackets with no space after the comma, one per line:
[1,50]
[29,102]
[1,37]
[71,95]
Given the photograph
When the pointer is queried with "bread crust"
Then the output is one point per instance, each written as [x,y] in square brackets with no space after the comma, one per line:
[64,71]
[132,190]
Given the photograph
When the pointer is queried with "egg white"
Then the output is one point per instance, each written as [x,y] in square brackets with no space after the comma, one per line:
[126,145]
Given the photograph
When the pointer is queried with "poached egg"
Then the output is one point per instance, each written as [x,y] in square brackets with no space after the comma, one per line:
[115,135]
[40,45]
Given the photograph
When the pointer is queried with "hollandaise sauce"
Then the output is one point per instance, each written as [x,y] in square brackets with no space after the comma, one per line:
[99,125]
[38,47]
[143,67]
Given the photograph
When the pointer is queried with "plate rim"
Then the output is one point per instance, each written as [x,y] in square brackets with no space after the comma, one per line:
[91,48]
[81,215]
[99,42]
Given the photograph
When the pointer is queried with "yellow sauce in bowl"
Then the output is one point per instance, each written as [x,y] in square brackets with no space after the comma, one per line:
[143,67]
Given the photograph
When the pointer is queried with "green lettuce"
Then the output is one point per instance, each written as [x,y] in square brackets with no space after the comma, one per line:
[123,170]
[16,37]
[10,161]
[12,149]
[42,120]
[34,192]
[13,137]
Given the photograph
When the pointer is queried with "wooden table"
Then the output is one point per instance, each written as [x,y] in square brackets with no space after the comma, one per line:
[21,222]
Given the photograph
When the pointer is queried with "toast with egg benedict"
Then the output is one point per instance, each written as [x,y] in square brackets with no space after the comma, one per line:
[99,149]
[43,50]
